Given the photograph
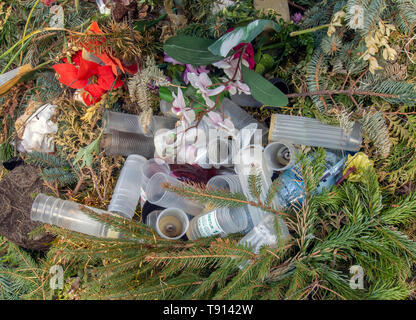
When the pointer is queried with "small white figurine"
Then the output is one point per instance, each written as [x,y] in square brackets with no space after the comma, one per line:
[40,130]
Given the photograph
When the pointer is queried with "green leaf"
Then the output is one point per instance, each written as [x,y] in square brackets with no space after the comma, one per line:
[86,154]
[165,94]
[246,34]
[262,90]
[191,50]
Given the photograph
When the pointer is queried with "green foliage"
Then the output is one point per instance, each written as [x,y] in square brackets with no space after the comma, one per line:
[190,50]
[86,154]
[289,50]
[18,273]
[262,90]
[54,168]
[6,151]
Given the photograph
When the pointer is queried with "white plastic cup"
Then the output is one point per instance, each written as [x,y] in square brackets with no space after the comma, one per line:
[126,194]
[158,195]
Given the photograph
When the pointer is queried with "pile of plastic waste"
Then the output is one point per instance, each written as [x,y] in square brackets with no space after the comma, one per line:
[220,150]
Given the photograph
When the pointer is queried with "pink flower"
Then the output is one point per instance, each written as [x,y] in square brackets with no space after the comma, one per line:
[189,68]
[202,83]
[230,65]
[238,86]
[215,119]
[179,108]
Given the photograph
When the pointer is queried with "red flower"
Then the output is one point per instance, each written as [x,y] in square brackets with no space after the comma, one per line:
[104,56]
[93,78]
[248,53]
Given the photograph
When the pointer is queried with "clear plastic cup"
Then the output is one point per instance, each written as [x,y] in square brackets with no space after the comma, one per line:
[171,223]
[68,215]
[126,194]
[280,156]
[158,195]
[226,182]
[241,118]
[219,222]
[151,167]
[312,132]
[122,122]
[263,234]
[126,143]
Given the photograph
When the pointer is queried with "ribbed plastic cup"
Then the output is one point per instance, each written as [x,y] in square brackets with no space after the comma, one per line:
[126,194]
[219,222]
[68,215]
[312,132]
[226,182]
[158,195]
[122,122]
[159,122]
[127,143]
[171,224]
[280,156]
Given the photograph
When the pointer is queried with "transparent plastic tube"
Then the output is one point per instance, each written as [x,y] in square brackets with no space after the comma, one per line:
[127,143]
[240,117]
[126,194]
[227,182]
[158,195]
[311,132]
[171,224]
[279,156]
[68,215]
[125,122]
[221,221]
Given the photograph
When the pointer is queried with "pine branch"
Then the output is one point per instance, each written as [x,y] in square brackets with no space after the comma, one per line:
[218,198]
